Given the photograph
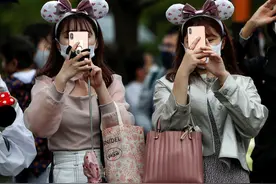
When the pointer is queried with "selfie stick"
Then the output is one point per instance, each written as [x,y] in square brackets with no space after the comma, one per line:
[90,112]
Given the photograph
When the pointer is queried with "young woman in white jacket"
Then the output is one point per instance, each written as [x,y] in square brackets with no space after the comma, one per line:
[17,146]
[225,105]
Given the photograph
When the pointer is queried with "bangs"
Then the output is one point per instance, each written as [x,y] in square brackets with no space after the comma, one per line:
[208,23]
[77,25]
[77,22]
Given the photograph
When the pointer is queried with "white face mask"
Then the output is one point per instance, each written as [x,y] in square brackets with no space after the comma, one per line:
[216,49]
[41,57]
[63,49]
[92,50]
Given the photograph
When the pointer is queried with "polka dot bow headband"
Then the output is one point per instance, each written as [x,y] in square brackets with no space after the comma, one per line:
[218,10]
[56,11]
[6,99]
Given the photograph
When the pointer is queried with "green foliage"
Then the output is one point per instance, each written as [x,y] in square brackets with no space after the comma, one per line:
[15,17]
[154,16]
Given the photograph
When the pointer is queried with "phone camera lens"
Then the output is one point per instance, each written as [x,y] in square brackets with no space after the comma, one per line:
[190,31]
[71,36]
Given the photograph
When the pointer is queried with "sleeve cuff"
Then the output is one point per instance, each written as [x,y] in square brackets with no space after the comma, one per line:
[243,41]
[55,94]
[228,88]
[107,108]
[177,107]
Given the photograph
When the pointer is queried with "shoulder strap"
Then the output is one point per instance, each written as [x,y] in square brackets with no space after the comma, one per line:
[90,113]
[101,137]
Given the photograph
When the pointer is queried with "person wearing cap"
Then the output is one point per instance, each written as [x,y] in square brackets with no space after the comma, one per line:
[263,71]
[59,109]
[222,103]
[17,148]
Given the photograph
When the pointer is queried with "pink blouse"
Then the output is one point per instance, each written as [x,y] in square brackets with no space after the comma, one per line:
[64,119]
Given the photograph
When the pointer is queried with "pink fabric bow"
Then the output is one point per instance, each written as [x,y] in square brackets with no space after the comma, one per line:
[65,6]
[209,8]
[91,168]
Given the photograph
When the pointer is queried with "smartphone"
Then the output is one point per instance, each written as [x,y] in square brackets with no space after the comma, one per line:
[193,33]
[79,36]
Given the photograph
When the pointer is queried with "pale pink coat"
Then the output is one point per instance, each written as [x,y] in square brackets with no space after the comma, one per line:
[64,119]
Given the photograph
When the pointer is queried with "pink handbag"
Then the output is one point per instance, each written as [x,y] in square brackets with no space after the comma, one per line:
[123,152]
[174,156]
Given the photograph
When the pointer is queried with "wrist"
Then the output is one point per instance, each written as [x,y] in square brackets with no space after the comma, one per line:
[103,94]
[183,72]
[100,88]
[61,79]
[60,83]
[222,77]
[249,29]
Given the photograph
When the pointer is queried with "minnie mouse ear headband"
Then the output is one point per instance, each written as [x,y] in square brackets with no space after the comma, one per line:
[217,10]
[56,11]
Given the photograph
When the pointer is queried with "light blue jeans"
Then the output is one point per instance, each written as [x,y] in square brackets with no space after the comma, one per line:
[68,166]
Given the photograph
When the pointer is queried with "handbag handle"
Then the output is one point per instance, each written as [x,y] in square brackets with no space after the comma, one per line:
[120,119]
[190,128]
[158,125]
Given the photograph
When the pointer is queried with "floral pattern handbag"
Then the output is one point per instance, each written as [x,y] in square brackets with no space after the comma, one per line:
[124,147]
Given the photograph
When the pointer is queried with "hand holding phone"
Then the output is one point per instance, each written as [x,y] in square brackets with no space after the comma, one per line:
[82,38]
